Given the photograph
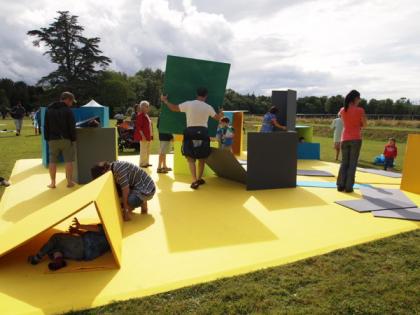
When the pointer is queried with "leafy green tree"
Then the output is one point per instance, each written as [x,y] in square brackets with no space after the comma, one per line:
[79,58]
[333,104]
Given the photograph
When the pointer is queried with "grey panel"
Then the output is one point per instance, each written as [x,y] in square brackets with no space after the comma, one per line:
[371,204]
[380,172]
[406,214]
[285,101]
[382,193]
[225,165]
[314,173]
[272,160]
[93,145]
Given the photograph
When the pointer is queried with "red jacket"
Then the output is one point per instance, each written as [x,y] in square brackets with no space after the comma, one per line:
[143,124]
[390,151]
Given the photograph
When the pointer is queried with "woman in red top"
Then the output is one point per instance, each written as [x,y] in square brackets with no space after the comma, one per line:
[354,119]
[144,133]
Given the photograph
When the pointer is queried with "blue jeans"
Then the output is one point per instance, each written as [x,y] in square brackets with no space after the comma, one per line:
[389,162]
[350,151]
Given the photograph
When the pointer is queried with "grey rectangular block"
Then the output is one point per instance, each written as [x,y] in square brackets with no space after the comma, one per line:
[225,165]
[405,214]
[286,102]
[272,160]
[317,173]
[380,172]
[371,204]
[93,145]
[383,193]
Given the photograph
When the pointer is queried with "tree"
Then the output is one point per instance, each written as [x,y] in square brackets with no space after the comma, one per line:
[78,58]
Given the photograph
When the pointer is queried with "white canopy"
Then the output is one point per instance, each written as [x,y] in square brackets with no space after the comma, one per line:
[92,103]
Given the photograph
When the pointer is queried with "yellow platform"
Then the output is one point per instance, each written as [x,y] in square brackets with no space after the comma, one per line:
[189,237]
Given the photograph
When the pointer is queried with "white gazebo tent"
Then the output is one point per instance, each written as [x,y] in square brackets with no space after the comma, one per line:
[93,103]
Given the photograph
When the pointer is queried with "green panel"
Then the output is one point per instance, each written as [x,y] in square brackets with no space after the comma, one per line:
[182,78]
[306,132]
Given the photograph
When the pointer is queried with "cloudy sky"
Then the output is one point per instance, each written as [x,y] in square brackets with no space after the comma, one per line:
[318,47]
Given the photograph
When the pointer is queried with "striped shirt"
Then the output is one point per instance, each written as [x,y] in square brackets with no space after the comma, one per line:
[128,174]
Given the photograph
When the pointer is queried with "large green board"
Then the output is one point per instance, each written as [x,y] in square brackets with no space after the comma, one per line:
[182,78]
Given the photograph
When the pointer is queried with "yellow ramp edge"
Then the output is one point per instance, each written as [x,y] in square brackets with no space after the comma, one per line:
[411,168]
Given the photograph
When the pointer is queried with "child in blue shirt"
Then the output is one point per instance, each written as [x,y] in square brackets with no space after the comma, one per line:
[225,134]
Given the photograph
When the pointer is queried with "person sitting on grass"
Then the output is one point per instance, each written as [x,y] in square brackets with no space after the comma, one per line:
[83,242]
[135,185]
[390,154]
[165,147]
[225,134]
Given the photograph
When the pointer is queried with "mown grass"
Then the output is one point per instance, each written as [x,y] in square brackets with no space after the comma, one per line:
[381,277]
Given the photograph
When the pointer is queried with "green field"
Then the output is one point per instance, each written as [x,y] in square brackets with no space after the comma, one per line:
[381,277]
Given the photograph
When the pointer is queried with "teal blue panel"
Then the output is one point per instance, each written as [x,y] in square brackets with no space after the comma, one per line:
[182,78]
[326,184]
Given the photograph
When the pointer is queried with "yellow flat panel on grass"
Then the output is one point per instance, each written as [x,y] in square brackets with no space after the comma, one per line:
[191,237]
[411,168]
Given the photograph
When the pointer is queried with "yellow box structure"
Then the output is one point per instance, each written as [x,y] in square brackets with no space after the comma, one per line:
[100,193]
[411,167]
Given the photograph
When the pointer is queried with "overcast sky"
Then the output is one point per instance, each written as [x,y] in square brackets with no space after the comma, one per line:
[323,47]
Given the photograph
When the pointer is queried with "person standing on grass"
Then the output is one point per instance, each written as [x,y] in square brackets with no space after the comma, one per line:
[144,133]
[270,122]
[165,147]
[390,154]
[354,119]
[60,133]
[196,142]
[18,113]
[337,127]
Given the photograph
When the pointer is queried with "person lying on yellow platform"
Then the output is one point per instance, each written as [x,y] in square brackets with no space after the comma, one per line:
[82,242]
[134,184]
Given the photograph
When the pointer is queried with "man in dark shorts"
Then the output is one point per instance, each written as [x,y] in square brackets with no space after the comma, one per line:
[83,242]
[134,184]
[196,143]
[60,132]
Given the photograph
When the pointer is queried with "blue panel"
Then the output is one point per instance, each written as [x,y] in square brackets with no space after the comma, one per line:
[309,151]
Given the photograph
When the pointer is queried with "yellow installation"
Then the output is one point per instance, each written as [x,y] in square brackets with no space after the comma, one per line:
[189,237]
[411,168]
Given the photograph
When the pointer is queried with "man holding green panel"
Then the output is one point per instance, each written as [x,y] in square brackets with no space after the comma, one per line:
[196,142]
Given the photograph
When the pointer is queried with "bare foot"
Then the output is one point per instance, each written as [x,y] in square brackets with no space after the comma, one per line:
[52,186]
[126,216]
[71,184]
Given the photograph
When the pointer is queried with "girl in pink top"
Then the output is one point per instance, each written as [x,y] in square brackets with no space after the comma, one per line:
[354,120]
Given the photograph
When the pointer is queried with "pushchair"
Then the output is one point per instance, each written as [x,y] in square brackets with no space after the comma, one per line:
[126,136]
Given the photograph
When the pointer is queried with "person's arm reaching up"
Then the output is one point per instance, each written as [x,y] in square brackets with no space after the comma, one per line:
[219,115]
[172,107]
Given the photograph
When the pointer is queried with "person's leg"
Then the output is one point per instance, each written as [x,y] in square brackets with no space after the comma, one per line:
[385,164]
[341,179]
[160,165]
[193,169]
[69,174]
[149,144]
[20,123]
[143,153]
[52,167]
[355,147]
[68,155]
[164,162]
[201,164]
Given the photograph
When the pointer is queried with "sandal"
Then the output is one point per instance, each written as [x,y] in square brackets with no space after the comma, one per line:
[195,185]
[168,169]
[201,182]
[162,171]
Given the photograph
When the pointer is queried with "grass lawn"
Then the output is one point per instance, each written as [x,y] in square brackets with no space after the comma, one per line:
[381,277]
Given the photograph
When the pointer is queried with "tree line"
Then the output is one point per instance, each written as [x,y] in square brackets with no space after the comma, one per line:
[83,70]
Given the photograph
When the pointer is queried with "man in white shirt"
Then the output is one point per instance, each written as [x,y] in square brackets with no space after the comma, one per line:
[196,143]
